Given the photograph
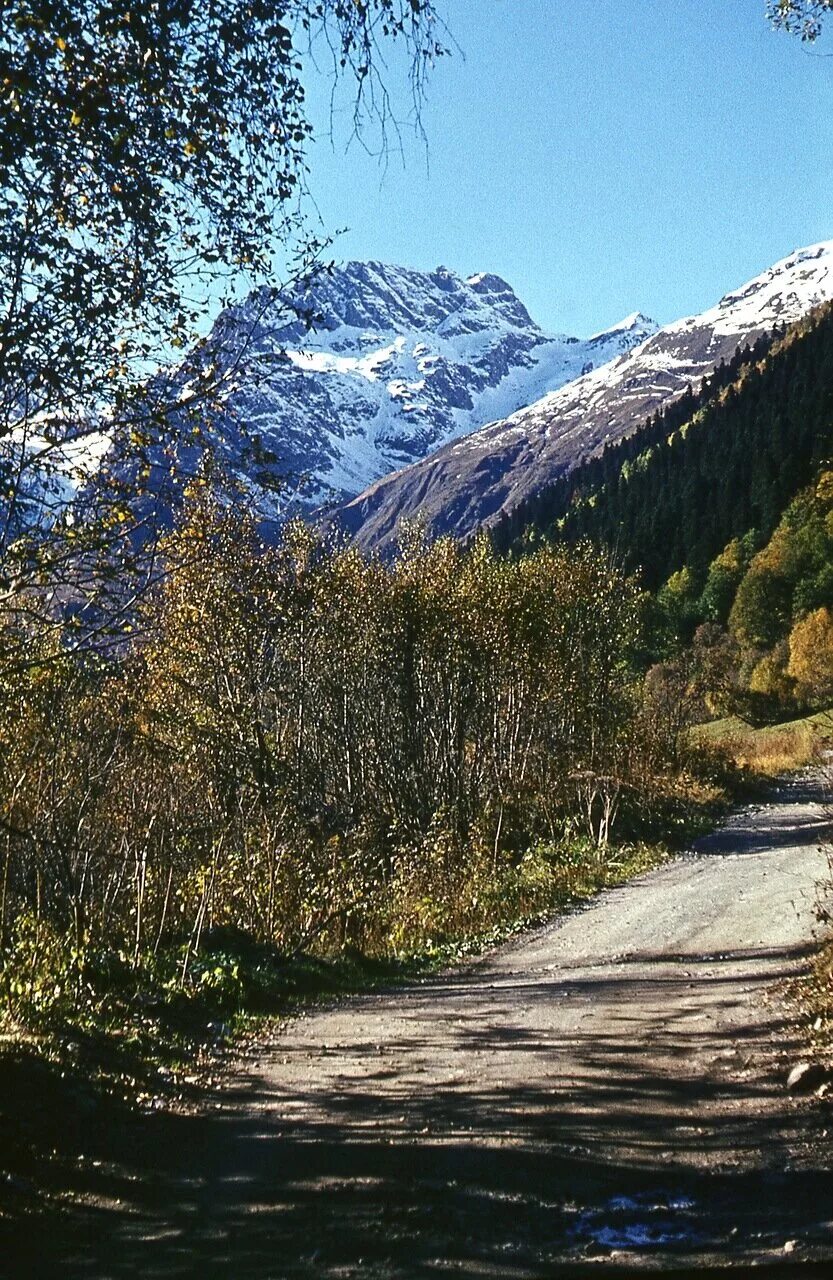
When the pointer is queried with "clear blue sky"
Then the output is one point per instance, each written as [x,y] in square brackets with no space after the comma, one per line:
[604,156]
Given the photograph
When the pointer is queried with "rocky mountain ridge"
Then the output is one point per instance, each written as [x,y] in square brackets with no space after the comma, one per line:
[469,482]
[398,363]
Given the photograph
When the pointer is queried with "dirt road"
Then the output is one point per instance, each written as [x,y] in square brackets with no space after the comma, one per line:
[610,1087]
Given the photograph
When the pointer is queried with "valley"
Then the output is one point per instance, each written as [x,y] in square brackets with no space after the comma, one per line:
[416,688]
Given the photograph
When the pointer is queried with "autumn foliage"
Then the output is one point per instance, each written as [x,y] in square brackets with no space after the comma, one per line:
[312,747]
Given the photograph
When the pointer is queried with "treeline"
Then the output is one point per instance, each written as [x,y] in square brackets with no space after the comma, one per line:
[312,748]
[707,469]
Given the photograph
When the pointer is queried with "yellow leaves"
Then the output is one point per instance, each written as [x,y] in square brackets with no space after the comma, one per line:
[75,119]
[730,558]
[811,656]
[767,678]
[61,43]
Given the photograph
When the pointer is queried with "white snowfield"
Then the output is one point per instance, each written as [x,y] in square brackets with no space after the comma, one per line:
[779,296]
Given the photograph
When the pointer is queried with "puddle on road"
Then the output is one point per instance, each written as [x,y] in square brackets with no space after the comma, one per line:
[647,1220]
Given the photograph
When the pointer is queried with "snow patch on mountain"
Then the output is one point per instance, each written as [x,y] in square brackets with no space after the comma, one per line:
[398,363]
[471,481]
[780,295]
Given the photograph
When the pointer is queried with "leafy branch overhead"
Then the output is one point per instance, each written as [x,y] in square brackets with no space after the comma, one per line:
[800,17]
[150,155]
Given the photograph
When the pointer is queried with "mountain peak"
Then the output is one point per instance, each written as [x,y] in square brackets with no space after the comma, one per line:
[786,290]
[636,324]
[470,482]
[385,298]
[636,320]
[397,362]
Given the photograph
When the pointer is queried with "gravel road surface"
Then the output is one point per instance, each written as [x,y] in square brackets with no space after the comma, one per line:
[607,1092]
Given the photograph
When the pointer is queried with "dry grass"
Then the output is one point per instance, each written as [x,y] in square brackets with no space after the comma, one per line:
[773,749]
[823,974]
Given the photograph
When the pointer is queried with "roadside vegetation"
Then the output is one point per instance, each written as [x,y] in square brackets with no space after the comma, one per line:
[817,995]
[766,751]
[297,771]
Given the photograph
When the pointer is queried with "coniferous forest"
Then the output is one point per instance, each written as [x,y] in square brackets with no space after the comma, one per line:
[717,463]
[721,504]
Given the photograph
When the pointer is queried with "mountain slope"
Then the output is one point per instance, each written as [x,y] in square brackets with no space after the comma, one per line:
[472,482]
[398,363]
[707,468]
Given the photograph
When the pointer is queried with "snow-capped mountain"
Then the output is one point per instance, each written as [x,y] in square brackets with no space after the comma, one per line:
[397,364]
[471,481]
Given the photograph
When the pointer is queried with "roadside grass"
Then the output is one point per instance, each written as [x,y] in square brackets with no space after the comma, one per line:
[769,751]
[132,1039]
[140,1045]
[811,997]
[815,993]
[822,996]
[140,1033]
[760,755]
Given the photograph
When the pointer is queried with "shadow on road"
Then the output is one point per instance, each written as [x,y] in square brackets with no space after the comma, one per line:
[399,1182]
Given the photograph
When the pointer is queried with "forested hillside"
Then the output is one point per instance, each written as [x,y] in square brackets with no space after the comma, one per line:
[761,620]
[723,504]
[716,464]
